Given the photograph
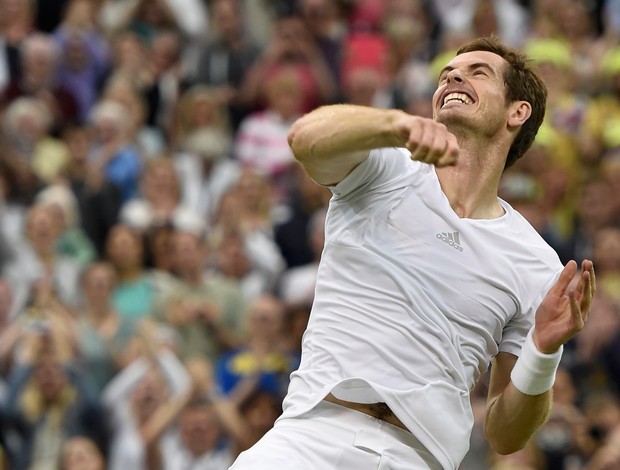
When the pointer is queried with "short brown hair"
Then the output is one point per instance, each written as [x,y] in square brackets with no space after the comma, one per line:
[522,83]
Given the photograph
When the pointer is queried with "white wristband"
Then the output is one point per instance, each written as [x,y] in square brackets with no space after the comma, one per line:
[534,372]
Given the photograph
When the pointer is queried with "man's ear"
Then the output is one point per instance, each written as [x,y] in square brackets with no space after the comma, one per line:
[520,111]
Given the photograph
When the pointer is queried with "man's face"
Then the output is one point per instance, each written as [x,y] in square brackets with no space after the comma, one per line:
[199,429]
[227,17]
[99,283]
[188,251]
[471,93]
[80,453]
[51,379]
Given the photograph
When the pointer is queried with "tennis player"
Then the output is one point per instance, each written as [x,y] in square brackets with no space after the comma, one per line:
[427,278]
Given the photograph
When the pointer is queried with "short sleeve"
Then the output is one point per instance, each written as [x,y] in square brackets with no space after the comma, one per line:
[384,169]
[516,330]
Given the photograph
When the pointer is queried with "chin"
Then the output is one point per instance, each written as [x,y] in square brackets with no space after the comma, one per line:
[454,119]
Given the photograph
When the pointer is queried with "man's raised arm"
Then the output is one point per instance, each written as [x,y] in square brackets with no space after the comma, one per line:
[331,141]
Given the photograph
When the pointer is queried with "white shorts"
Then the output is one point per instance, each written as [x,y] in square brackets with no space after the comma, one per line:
[335,437]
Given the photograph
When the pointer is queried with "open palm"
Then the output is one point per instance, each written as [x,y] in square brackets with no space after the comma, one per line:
[564,310]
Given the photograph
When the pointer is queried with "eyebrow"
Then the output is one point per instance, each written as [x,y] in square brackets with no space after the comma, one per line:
[476,65]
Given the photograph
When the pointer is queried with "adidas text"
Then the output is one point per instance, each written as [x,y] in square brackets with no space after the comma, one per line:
[451,238]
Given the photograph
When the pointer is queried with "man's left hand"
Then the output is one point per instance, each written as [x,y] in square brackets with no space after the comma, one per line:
[565,309]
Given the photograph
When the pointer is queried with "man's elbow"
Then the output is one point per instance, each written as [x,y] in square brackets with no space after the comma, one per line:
[505,444]
[298,140]
[507,448]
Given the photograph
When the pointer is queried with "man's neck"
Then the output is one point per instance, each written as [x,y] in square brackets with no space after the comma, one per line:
[472,185]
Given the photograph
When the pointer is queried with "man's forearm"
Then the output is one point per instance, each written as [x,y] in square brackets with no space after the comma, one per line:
[332,140]
[513,417]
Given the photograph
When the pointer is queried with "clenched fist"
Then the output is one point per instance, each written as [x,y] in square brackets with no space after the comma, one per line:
[428,141]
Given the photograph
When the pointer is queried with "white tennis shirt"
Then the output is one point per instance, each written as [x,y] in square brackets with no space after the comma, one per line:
[412,302]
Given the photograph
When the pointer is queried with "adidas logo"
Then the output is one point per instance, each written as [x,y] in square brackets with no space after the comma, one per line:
[452,239]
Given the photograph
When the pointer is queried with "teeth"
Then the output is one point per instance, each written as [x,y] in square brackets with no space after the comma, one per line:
[460,97]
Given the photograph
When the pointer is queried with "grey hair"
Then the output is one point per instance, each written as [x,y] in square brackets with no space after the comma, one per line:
[112,111]
[40,43]
[210,143]
[26,107]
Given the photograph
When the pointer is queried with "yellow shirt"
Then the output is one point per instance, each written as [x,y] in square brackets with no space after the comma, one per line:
[50,157]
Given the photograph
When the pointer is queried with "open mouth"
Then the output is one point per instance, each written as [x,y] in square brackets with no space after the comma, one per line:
[460,98]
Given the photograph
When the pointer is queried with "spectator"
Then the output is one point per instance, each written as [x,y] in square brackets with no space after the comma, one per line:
[85,55]
[157,245]
[295,324]
[39,265]
[121,89]
[159,201]
[575,23]
[546,193]
[163,87]
[325,24]
[27,125]
[198,440]
[205,170]
[114,156]
[39,57]
[606,253]
[596,359]
[16,23]
[252,261]
[455,17]
[259,408]
[364,86]
[98,200]
[290,45]
[235,430]
[226,57]
[139,288]
[364,15]
[129,59]
[72,240]
[146,17]
[143,399]
[594,211]
[261,361]
[261,16]
[48,400]
[247,206]
[408,57]
[103,335]
[599,132]
[81,453]
[565,439]
[603,412]
[200,107]
[204,308]
[565,107]
[292,234]
[297,283]
[18,187]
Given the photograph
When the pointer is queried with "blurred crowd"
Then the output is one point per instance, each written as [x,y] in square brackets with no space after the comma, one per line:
[159,244]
